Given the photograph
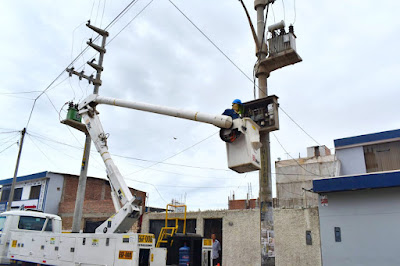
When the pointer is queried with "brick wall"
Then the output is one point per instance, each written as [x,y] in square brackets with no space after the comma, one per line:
[97,205]
[241,204]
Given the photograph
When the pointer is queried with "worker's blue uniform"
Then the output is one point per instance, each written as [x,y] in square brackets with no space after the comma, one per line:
[231,113]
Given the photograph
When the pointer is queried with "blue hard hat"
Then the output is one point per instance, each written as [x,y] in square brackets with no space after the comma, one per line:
[237,101]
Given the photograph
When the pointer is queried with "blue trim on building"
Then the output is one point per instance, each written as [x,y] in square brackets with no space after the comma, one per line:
[23,178]
[367,138]
[45,195]
[346,183]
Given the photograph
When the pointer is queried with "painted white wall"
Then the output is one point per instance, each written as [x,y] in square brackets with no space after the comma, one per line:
[53,192]
[352,161]
[369,223]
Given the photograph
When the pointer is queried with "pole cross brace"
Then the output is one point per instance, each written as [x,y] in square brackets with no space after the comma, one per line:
[98,30]
[96,47]
[80,75]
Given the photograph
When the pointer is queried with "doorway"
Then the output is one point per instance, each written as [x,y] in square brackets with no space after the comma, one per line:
[214,226]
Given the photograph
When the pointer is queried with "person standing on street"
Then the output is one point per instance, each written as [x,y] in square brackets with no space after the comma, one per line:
[216,247]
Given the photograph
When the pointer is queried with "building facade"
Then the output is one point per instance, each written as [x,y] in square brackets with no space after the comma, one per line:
[359,212]
[55,193]
[237,230]
[296,215]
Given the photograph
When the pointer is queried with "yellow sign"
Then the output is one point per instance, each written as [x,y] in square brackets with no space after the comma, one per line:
[95,242]
[125,255]
[14,244]
[207,242]
[152,257]
[146,239]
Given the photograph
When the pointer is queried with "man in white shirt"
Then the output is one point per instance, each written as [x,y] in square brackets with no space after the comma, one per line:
[216,246]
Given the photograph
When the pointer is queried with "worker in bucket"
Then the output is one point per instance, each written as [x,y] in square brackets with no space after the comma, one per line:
[227,134]
[236,111]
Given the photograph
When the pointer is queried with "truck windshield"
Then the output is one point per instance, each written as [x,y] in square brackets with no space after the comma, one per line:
[2,221]
[33,223]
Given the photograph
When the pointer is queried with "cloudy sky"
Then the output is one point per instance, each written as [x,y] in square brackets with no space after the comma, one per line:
[347,84]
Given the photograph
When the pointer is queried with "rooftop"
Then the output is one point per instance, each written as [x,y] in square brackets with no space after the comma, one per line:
[375,138]
[358,182]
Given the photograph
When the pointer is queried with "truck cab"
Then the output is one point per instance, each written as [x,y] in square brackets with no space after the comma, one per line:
[24,221]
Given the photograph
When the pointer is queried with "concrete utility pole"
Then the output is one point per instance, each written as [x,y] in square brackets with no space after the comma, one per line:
[11,197]
[265,193]
[80,194]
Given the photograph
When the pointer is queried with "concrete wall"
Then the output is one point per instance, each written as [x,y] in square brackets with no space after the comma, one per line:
[290,237]
[292,178]
[240,233]
[352,160]
[369,223]
[54,191]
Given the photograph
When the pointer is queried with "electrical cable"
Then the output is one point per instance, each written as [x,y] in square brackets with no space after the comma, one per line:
[8,147]
[295,13]
[174,154]
[298,125]
[294,158]
[36,135]
[102,15]
[19,97]
[130,22]
[76,58]
[9,138]
[8,132]
[230,60]
[42,152]
[22,92]
[143,182]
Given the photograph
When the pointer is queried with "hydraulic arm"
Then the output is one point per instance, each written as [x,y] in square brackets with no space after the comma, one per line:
[243,151]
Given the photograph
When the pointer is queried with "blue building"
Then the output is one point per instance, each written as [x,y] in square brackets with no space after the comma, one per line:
[40,191]
[359,211]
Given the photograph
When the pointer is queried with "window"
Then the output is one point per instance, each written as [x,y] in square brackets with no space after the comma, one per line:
[31,223]
[49,226]
[35,192]
[17,194]
[5,194]
[382,157]
[2,221]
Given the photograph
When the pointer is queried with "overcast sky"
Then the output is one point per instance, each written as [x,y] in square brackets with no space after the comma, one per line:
[347,85]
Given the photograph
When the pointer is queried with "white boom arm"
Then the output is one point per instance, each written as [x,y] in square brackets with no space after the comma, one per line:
[126,216]
[221,121]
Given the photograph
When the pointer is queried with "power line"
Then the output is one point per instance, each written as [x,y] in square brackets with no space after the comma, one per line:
[227,57]
[21,92]
[102,15]
[8,147]
[77,57]
[175,154]
[293,158]
[130,21]
[42,152]
[19,97]
[298,125]
[36,135]
[284,13]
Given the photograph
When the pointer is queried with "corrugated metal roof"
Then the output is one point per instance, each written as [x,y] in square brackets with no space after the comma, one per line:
[386,135]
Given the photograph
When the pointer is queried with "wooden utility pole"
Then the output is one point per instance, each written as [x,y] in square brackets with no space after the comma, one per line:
[11,197]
